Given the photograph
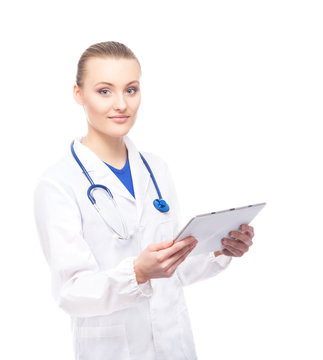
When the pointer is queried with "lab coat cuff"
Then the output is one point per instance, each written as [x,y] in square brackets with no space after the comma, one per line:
[222,260]
[144,289]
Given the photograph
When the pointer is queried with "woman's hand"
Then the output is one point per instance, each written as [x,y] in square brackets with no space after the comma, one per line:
[239,243]
[160,260]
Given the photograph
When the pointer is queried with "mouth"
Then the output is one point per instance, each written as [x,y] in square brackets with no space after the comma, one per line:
[119,118]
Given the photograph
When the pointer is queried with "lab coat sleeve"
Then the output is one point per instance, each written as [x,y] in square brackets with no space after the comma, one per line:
[198,267]
[78,285]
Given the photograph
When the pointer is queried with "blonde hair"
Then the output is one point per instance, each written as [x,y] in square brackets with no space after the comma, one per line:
[102,49]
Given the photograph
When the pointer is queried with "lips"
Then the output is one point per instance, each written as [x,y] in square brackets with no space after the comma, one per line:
[119,118]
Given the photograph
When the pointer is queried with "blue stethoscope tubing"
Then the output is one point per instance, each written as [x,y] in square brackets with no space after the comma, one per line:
[160,204]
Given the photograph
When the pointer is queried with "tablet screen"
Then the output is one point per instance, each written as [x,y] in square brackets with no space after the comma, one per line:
[209,229]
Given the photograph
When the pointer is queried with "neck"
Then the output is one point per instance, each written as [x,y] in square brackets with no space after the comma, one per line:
[111,150]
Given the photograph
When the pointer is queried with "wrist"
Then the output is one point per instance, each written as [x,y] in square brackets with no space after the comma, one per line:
[139,275]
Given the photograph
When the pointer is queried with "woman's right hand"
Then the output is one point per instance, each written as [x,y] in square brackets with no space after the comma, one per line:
[160,260]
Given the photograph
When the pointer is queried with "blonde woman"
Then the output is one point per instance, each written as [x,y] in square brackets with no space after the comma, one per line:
[107,215]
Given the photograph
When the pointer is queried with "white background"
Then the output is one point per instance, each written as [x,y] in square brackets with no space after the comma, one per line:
[232,100]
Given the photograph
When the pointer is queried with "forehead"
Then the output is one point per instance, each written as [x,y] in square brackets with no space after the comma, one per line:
[112,70]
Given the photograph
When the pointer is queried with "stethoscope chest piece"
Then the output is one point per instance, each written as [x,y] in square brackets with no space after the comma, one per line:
[161,205]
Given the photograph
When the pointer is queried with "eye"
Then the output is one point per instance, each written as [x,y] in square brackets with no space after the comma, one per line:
[132,90]
[104,91]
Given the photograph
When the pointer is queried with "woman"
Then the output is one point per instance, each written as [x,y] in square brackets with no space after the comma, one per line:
[117,271]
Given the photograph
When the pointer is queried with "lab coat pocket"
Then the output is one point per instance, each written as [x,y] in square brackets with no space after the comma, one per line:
[103,343]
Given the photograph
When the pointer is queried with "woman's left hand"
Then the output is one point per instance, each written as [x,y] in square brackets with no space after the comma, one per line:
[239,242]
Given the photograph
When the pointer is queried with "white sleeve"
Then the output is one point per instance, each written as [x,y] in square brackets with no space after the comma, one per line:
[200,267]
[78,285]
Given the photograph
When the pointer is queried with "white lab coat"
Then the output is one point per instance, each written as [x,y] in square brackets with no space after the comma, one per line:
[93,280]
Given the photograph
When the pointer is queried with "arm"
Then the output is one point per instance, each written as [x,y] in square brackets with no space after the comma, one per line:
[78,285]
[202,266]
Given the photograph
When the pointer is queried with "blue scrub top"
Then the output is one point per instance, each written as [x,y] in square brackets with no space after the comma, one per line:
[124,176]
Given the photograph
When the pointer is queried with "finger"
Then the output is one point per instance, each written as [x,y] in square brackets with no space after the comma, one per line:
[247,229]
[223,252]
[237,235]
[174,266]
[226,252]
[234,251]
[178,246]
[161,245]
[235,244]
[218,253]
[187,249]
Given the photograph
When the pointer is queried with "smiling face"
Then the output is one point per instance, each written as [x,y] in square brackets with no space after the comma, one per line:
[110,95]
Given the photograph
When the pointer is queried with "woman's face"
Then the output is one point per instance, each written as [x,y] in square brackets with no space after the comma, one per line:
[110,95]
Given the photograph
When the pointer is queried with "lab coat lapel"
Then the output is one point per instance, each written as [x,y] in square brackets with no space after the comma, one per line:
[140,175]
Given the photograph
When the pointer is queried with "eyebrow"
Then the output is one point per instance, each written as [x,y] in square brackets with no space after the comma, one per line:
[107,83]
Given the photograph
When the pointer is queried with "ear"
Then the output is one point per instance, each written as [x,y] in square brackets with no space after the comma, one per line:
[77,94]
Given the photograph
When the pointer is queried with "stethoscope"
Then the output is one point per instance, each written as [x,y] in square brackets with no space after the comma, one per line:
[160,204]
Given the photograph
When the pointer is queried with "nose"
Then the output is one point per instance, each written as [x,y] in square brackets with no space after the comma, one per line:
[120,102]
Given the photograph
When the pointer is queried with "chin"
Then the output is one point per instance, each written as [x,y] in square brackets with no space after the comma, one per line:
[119,132]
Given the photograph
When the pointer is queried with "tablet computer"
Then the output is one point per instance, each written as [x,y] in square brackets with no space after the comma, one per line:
[209,229]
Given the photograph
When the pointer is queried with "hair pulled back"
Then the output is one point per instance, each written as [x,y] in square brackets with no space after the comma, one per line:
[102,49]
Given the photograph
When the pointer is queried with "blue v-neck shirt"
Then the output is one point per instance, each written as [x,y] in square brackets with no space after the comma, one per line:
[124,176]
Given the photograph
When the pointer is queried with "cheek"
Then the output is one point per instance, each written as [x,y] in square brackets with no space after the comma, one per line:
[98,106]
[134,103]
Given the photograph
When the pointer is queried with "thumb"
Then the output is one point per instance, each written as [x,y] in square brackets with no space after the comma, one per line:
[162,245]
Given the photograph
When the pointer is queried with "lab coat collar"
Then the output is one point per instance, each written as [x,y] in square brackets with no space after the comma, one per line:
[102,174]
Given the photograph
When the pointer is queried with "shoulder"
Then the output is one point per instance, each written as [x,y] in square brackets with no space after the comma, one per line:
[157,164]
[60,169]
[59,176]
[152,159]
